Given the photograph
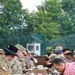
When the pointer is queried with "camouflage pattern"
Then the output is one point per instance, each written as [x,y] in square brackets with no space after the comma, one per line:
[52,57]
[27,64]
[4,67]
[19,66]
[20,47]
[1,51]
[16,66]
[24,64]
[58,48]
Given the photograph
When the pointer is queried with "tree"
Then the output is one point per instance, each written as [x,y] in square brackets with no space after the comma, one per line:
[29,23]
[12,22]
[67,21]
[11,16]
[45,20]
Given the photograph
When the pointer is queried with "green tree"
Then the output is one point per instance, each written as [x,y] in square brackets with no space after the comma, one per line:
[28,23]
[45,20]
[12,22]
[11,16]
[67,21]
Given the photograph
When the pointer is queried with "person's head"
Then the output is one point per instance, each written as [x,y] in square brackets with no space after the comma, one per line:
[59,64]
[52,57]
[28,54]
[24,55]
[32,54]
[70,56]
[20,53]
[58,52]
[31,59]
[47,62]
[9,56]
[65,51]
[10,52]
[46,59]
[21,50]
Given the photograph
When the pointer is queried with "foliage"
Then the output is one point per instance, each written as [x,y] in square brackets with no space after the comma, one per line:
[67,22]
[65,42]
[45,20]
[54,19]
[50,48]
[11,16]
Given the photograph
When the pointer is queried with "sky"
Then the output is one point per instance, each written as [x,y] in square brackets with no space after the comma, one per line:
[31,4]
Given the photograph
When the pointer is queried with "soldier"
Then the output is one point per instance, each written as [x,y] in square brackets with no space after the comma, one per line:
[18,65]
[23,60]
[49,64]
[10,52]
[28,59]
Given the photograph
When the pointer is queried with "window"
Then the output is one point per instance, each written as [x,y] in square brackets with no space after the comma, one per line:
[31,48]
[37,48]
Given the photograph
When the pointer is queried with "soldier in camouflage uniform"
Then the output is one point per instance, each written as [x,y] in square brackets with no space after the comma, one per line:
[24,62]
[16,65]
[10,52]
[19,65]
[49,65]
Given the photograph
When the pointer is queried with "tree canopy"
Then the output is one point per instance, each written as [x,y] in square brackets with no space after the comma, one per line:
[67,22]
[45,20]
[11,16]
[54,18]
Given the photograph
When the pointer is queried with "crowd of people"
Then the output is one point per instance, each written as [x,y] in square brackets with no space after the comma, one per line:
[61,61]
[16,60]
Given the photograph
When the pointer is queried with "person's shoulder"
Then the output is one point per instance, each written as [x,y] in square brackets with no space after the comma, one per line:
[3,65]
[2,60]
[72,63]
[70,68]
[1,57]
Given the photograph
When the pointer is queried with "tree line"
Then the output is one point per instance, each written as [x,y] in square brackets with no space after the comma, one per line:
[54,19]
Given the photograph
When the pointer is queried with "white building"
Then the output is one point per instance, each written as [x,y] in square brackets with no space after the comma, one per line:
[34,48]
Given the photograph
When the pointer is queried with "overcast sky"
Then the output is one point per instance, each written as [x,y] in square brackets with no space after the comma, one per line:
[31,4]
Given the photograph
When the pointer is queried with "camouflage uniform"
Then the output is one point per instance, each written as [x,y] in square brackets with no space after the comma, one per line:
[20,47]
[1,51]
[4,67]
[52,57]
[24,62]
[16,66]
[27,64]
[58,48]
